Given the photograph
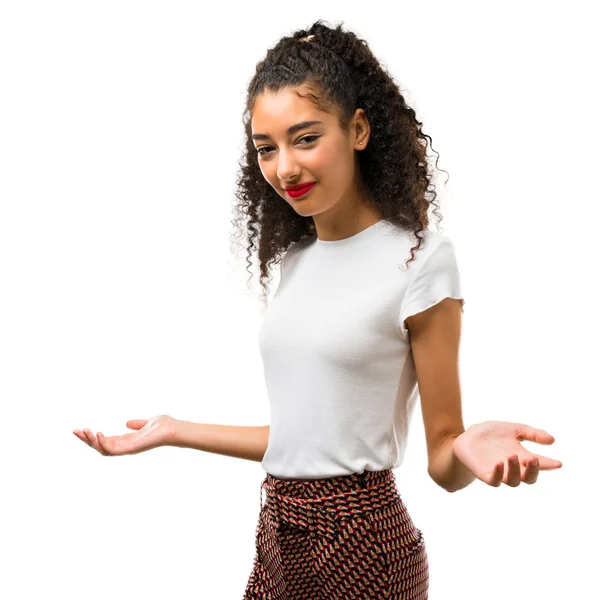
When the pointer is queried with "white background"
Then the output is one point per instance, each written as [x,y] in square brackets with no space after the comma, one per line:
[121,298]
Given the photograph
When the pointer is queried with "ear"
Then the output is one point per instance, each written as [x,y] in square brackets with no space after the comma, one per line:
[361,128]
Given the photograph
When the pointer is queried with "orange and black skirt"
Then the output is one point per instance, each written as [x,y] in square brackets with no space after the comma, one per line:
[347,537]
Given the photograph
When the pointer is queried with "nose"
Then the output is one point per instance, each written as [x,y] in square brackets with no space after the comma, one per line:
[287,167]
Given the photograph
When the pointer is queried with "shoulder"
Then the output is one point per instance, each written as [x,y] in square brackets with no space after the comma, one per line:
[435,248]
[434,241]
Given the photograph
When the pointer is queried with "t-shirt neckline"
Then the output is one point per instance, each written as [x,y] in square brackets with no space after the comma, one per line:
[361,235]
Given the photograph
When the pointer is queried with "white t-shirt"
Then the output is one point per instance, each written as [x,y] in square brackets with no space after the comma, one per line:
[336,353]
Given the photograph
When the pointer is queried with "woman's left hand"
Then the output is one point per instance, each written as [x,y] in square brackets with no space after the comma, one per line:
[492,452]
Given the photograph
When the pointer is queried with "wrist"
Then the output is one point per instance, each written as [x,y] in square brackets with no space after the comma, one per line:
[172,435]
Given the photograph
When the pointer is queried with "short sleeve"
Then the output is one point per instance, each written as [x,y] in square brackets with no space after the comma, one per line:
[436,278]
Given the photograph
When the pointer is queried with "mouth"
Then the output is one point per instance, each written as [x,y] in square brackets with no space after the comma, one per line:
[300,191]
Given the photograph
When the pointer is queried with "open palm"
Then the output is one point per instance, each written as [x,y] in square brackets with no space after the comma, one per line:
[148,434]
[492,451]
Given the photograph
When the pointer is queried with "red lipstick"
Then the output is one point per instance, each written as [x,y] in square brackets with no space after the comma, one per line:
[295,191]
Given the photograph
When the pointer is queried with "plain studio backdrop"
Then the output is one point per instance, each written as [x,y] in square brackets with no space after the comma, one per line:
[121,298]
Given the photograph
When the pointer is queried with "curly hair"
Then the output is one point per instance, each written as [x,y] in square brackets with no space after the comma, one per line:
[342,75]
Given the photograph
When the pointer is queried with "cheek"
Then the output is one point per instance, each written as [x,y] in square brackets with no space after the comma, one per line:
[331,163]
[320,160]
[323,164]
[269,172]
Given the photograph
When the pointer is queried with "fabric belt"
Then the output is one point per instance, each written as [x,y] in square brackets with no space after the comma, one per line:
[321,515]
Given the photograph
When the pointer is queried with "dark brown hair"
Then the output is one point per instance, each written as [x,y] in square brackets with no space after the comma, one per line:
[342,75]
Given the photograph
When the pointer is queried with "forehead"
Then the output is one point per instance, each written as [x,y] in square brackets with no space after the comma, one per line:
[278,110]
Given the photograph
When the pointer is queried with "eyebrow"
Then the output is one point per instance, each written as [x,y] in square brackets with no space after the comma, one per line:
[291,130]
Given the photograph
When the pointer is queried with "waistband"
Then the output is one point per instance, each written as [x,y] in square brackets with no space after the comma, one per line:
[319,504]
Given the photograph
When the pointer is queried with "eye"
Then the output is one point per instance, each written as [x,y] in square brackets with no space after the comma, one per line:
[309,137]
[312,138]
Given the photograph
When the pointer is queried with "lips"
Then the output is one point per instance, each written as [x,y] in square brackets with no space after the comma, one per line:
[295,188]
[300,191]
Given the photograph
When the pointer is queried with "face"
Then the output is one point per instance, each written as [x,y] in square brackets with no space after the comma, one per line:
[321,152]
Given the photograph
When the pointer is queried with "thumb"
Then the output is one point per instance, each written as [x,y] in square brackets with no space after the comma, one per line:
[136,423]
[533,434]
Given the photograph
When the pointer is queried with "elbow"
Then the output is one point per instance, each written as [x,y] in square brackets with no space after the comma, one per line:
[450,484]
[445,486]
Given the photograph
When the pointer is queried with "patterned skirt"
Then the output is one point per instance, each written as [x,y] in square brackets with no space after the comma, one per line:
[347,537]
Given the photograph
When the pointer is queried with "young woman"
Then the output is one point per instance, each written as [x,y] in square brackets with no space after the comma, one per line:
[336,182]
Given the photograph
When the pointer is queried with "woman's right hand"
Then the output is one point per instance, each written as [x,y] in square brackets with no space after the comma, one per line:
[150,433]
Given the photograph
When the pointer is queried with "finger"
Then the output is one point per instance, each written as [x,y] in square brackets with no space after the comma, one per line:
[89,436]
[81,436]
[496,479]
[93,441]
[532,434]
[547,463]
[513,475]
[103,444]
[532,470]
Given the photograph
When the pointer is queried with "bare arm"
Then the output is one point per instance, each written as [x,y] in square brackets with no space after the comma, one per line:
[445,468]
[435,340]
[249,442]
